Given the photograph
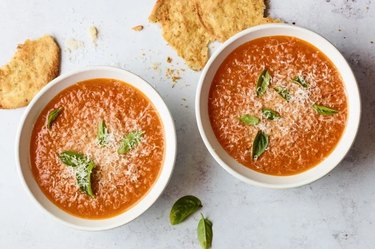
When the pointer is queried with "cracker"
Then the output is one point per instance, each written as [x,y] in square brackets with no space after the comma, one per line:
[34,64]
[190,25]
[224,18]
[183,30]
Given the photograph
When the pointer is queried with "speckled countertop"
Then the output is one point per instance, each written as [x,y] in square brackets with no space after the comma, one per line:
[335,212]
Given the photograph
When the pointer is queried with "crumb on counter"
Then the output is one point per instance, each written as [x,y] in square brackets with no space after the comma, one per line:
[155,66]
[73,44]
[138,28]
[94,33]
[173,74]
[169,59]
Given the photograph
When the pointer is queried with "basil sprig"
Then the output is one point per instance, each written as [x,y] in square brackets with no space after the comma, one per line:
[52,116]
[249,119]
[83,167]
[270,114]
[263,82]
[283,92]
[205,233]
[183,208]
[260,144]
[300,80]
[324,110]
[130,141]
[102,134]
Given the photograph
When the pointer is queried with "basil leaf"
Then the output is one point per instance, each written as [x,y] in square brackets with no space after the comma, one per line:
[102,134]
[300,81]
[183,208]
[205,233]
[324,110]
[52,116]
[83,167]
[263,81]
[260,144]
[71,158]
[130,141]
[249,119]
[83,176]
[283,92]
[270,114]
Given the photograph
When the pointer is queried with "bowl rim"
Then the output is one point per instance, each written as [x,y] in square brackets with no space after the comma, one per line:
[202,82]
[166,118]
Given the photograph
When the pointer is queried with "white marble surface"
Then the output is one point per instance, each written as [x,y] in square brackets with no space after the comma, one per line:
[337,211]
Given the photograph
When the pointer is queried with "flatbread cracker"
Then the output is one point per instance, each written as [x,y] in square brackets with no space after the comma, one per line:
[190,25]
[183,30]
[34,64]
[224,18]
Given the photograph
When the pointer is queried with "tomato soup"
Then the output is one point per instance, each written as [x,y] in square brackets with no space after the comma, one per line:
[278,105]
[97,148]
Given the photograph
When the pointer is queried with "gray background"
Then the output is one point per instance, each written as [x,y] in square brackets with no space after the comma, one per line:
[337,211]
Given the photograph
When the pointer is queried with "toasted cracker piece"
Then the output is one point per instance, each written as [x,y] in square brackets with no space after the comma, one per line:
[183,30]
[34,64]
[224,18]
[190,25]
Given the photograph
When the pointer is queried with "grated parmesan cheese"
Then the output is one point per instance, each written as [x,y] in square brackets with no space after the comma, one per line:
[301,137]
[118,180]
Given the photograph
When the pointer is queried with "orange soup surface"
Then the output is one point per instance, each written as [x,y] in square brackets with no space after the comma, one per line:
[302,80]
[118,180]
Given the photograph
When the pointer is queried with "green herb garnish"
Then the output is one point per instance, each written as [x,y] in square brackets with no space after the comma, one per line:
[52,116]
[130,141]
[283,92]
[263,81]
[82,166]
[205,233]
[249,119]
[324,110]
[300,80]
[260,144]
[183,208]
[71,158]
[102,134]
[270,114]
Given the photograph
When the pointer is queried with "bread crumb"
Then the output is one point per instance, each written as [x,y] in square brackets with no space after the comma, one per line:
[169,59]
[73,44]
[94,33]
[138,28]
[173,74]
[155,66]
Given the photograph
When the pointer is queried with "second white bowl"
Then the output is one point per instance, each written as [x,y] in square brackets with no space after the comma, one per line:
[231,165]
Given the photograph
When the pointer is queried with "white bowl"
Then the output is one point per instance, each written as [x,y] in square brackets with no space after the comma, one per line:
[250,176]
[31,115]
